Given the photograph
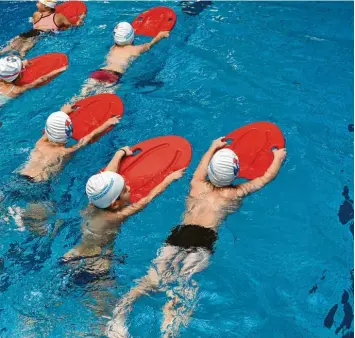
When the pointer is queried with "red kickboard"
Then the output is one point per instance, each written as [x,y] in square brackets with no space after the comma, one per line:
[93,111]
[75,11]
[153,21]
[42,65]
[253,145]
[158,157]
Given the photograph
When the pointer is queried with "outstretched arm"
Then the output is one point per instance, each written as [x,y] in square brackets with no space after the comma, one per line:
[62,21]
[80,21]
[85,140]
[145,47]
[201,171]
[114,164]
[68,108]
[142,203]
[18,90]
[245,189]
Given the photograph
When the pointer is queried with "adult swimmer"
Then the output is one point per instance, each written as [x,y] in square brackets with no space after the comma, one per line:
[120,56]
[189,246]
[44,20]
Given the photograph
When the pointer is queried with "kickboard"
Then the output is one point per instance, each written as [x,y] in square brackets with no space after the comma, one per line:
[42,65]
[253,145]
[153,21]
[73,10]
[93,111]
[158,157]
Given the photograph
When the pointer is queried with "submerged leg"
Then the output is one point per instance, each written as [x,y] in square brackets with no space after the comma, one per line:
[19,44]
[195,262]
[86,90]
[150,282]
[178,311]
[34,217]
[26,45]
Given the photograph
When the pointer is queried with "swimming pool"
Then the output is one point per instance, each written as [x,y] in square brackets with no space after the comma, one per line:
[284,262]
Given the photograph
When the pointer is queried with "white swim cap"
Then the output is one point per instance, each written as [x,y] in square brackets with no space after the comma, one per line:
[124,34]
[10,68]
[223,167]
[104,188]
[48,3]
[59,127]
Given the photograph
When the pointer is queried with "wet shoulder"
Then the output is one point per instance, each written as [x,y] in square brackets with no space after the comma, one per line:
[198,188]
[229,194]
[36,17]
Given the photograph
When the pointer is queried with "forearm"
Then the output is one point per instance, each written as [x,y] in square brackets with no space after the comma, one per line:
[258,183]
[156,191]
[201,170]
[67,24]
[33,84]
[99,130]
[63,22]
[272,171]
[114,164]
[25,87]
[154,41]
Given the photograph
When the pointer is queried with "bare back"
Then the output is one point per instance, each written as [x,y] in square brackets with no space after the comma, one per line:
[46,160]
[120,57]
[99,228]
[207,206]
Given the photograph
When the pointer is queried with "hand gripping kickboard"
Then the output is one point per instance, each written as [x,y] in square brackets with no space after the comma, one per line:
[253,145]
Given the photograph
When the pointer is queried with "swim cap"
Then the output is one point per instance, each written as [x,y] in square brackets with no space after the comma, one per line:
[223,167]
[123,34]
[10,68]
[59,127]
[48,3]
[104,188]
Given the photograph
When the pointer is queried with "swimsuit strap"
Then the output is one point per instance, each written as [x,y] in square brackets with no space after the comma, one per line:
[9,92]
[54,20]
[37,20]
[43,17]
[47,22]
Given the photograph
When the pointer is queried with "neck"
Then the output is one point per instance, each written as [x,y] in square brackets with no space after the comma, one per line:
[55,144]
[49,10]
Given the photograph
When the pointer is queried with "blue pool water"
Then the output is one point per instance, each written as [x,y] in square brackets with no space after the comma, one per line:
[283,265]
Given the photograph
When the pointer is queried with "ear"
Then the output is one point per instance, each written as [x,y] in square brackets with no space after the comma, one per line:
[115,205]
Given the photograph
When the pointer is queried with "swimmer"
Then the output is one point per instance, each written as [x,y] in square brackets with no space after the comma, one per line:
[11,68]
[47,158]
[189,246]
[109,198]
[121,55]
[44,20]
[50,153]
